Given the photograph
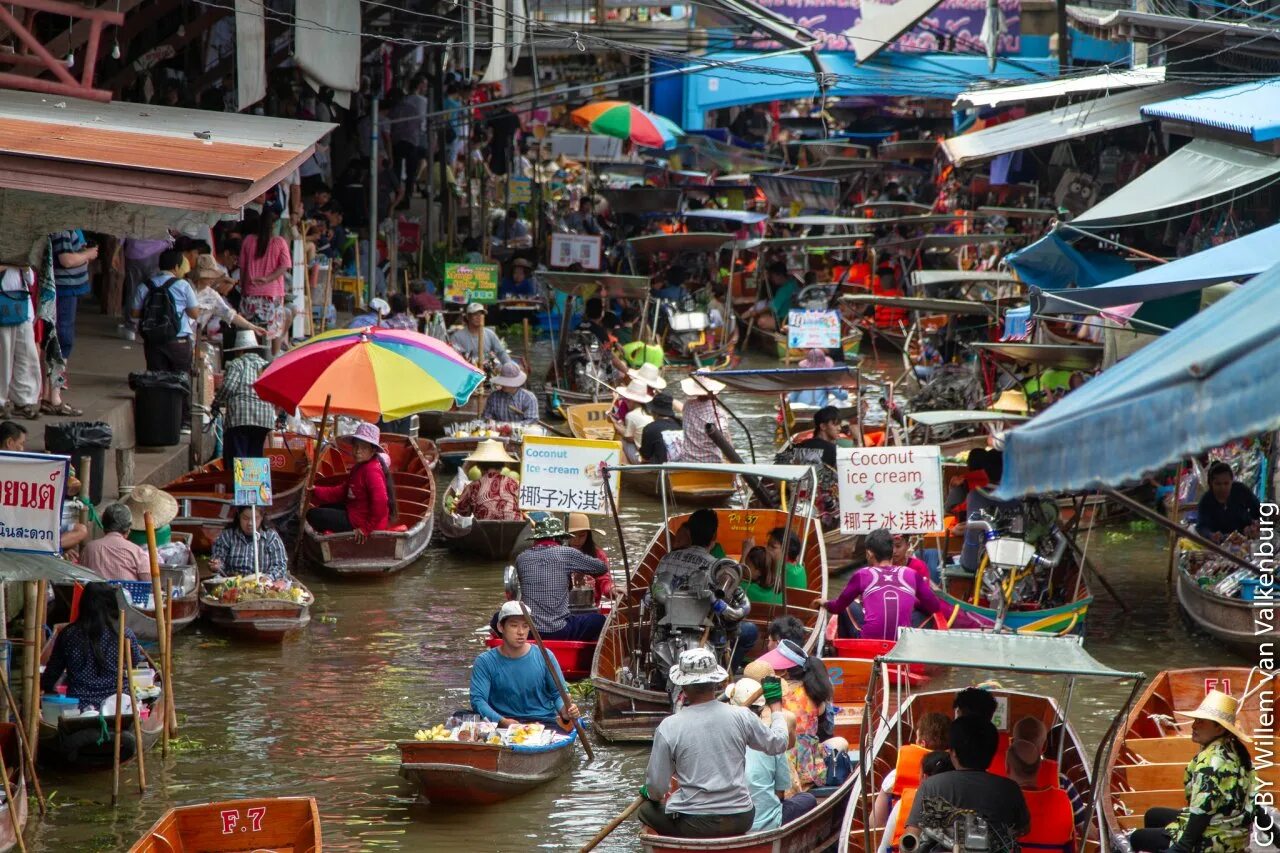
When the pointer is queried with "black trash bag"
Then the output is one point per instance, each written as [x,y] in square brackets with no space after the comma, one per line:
[160,379]
[74,436]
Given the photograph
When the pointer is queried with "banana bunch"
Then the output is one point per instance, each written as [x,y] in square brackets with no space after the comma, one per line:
[436,732]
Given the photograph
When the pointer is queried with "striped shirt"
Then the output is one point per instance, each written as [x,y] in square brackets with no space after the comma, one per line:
[546,573]
[515,405]
[235,550]
[71,281]
[243,405]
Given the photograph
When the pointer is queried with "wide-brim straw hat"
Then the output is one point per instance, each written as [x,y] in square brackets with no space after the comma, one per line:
[245,340]
[1011,401]
[148,498]
[490,450]
[650,374]
[579,522]
[1221,708]
[701,387]
[636,391]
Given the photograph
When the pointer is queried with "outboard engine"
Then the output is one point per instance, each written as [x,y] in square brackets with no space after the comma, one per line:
[688,616]
[584,363]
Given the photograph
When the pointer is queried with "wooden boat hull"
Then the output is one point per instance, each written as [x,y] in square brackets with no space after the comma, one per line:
[1229,620]
[1146,760]
[591,421]
[268,621]
[818,830]
[152,727]
[489,540]
[881,747]
[626,712]
[275,823]
[454,451]
[17,783]
[1066,618]
[573,656]
[478,774]
[186,604]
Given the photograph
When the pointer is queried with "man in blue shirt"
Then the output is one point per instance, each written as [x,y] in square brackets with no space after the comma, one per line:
[71,257]
[171,352]
[511,684]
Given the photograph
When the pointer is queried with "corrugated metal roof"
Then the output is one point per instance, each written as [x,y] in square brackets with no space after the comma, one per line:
[1252,109]
[1104,81]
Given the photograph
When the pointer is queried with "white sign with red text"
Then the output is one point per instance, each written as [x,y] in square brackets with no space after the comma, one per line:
[897,488]
[31,490]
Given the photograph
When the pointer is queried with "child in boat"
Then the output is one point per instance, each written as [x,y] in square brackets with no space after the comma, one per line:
[367,500]
[769,776]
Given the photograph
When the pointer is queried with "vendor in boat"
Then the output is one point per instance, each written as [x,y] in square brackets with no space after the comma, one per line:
[889,594]
[769,776]
[366,502]
[662,440]
[807,693]
[511,684]
[467,339]
[519,283]
[826,432]
[771,314]
[163,507]
[582,536]
[113,557]
[248,418]
[87,650]
[816,358]
[1227,507]
[704,747]
[973,742]
[1053,825]
[1219,783]
[493,496]
[546,569]
[233,549]
[702,412]
[510,401]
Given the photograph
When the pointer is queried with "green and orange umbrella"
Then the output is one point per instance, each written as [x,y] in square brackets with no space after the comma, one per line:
[369,373]
[624,120]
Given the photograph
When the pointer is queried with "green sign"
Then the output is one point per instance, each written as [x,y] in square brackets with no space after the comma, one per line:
[471,283]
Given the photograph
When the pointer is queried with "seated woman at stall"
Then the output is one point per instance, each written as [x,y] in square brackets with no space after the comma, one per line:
[233,549]
[519,283]
[86,650]
[1228,507]
[367,500]
[771,314]
[493,496]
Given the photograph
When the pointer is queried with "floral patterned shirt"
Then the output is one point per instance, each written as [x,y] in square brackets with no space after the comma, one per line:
[1219,785]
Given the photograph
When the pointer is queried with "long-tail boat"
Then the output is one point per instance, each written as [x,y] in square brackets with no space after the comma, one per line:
[470,773]
[281,824]
[383,552]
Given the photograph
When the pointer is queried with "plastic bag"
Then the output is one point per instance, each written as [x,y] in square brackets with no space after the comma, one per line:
[68,436]
[153,379]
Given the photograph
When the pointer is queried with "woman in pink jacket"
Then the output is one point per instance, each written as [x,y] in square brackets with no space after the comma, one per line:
[367,500]
[264,261]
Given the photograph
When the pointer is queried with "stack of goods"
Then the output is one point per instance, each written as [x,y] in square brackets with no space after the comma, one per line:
[492,429]
[245,588]
[472,729]
[1222,576]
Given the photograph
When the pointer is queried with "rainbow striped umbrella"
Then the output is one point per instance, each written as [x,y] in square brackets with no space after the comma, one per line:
[624,120]
[370,373]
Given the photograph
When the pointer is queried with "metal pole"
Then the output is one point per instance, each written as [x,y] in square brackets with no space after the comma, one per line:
[375,159]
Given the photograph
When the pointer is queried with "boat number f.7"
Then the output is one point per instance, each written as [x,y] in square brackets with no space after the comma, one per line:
[231,820]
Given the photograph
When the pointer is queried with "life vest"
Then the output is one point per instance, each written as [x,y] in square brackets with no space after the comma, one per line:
[1052,821]
[1046,776]
[904,812]
[908,770]
[1002,747]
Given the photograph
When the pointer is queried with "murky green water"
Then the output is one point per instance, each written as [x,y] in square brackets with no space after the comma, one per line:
[320,715]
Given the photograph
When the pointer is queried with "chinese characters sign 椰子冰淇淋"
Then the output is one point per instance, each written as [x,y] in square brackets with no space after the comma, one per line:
[897,488]
[565,474]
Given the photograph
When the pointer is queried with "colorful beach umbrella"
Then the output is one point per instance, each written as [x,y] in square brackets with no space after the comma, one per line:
[369,373]
[624,120]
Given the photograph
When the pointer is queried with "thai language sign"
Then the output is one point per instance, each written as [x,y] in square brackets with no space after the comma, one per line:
[31,494]
[952,25]
[252,481]
[566,474]
[471,283]
[810,329]
[898,488]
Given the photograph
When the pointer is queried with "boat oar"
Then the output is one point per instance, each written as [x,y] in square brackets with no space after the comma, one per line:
[560,685]
[612,825]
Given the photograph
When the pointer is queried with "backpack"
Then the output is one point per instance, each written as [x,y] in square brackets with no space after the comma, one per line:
[159,323]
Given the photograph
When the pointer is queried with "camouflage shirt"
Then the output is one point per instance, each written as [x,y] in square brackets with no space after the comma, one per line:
[1219,785]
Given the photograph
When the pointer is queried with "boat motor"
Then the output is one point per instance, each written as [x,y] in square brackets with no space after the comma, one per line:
[585,365]
[969,834]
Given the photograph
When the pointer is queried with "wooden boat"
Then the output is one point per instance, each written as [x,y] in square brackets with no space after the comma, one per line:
[186,603]
[816,830]
[1229,620]
[591,420]
[264,620]
[1146,760]
[454,449]
[151,726]
[573,656]
[206,495]
[490,540]
[237,826]
[17,784]
[480,774]
[1066,613]
[384,552]
[625,712]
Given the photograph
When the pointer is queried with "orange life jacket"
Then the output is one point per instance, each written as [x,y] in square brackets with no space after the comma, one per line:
[904,812]
[1052,821]
[1046,777]
[1002,747]
[908,770]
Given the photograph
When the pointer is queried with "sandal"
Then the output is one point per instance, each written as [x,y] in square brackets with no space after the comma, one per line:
[30,413]
[64,410]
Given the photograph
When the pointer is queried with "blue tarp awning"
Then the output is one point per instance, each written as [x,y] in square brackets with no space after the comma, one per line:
[1051,263]
[1211,380]
[1251,109]
[1236,260]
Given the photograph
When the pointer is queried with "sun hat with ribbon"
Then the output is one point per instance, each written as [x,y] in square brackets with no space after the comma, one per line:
[148,498]
[490,450]
[697,666]
[635,391]
[650,374]
[510,376]
[1221,708]
[366,432]
[742,692]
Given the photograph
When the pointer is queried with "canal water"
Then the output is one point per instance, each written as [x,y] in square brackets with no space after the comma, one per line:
[321,715]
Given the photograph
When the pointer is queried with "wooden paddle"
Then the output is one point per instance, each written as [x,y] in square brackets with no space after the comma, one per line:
[560,685]
[121,647]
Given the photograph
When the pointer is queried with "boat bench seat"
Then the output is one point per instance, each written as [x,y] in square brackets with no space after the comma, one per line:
[1154,777]
[1163,750]
[1137,802]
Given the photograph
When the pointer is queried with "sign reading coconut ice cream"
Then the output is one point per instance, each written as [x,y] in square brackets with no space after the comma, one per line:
[31,494]
[566,474]
[897,488]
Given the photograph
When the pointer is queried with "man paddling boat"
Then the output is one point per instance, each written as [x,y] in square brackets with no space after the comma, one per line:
[510,684]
